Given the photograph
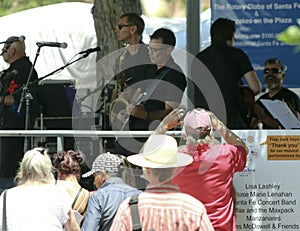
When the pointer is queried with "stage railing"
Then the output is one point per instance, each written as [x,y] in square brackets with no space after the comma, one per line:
[60,134]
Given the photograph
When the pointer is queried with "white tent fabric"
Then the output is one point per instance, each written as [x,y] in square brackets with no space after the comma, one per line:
[72,22]
[65,22]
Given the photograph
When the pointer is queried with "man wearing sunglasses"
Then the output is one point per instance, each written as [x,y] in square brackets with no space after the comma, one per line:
[11,148]
[134,62]
[132,68]
[274,74]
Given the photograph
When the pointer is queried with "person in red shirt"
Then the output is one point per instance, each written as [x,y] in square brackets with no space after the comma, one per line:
[209,177]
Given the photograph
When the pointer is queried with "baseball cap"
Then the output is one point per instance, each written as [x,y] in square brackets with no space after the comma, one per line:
[108,162]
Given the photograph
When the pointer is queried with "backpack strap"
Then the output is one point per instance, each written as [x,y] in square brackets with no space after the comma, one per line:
[75,199]
[133,203]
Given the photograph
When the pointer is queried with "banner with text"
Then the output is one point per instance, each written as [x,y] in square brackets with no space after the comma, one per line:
[267,191]
[258,23]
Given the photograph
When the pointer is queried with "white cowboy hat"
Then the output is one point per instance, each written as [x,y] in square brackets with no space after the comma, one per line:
[160,151]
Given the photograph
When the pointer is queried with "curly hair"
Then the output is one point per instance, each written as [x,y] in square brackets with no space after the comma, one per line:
[68,162]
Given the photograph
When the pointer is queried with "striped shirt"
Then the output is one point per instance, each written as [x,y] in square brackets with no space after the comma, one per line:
[164,208]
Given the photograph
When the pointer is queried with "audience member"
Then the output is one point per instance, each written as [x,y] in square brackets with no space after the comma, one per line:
[68,167]
[210,176]
[274,74]
[12,148]
[112,178]
[228,65]
[162,206]
[36,203]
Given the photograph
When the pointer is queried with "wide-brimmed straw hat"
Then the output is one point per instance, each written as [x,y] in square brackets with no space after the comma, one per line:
[160,151]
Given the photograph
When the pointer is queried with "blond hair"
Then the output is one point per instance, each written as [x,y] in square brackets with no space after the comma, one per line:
[35,166]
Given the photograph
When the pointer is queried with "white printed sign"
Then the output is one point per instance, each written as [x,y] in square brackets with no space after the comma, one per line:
[268,191]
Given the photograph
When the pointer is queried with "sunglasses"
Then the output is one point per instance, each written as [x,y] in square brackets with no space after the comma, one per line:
[120,26]
[272,70]
[156,49]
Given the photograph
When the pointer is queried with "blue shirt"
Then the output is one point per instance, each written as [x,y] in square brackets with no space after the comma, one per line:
[104,203]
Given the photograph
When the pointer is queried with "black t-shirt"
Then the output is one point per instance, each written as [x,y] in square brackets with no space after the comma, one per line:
[227,66]
[13,86]
[169,85]
[286,95]
[137,67]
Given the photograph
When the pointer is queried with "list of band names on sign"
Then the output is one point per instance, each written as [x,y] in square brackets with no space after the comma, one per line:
[265,207]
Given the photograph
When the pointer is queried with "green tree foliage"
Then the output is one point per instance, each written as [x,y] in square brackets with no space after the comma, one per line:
[13,6]
[291,35]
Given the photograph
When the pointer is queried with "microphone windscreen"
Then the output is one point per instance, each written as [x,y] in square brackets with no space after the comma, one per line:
[64,45]
[22,38]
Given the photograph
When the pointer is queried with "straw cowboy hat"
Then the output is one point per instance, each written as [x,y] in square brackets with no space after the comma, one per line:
[160,151]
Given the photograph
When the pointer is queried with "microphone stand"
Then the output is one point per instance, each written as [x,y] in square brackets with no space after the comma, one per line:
[26,94]
[59,69]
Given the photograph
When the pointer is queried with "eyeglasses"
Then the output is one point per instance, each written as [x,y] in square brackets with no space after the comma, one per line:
[156,49]
[120,26]
[272,70]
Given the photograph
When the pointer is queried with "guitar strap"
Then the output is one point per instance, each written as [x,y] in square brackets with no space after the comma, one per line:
[151,88]
[148,92]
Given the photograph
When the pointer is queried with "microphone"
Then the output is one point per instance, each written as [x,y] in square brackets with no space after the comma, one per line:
[91,50]
[16,39]
[3,51]
[51,44]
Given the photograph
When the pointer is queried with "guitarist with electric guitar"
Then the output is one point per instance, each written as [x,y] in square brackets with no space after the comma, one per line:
[138,109]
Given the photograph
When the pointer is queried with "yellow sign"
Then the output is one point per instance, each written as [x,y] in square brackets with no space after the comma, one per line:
[283,147]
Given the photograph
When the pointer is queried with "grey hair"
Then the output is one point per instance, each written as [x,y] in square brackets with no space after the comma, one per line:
[163,174]
[35,166]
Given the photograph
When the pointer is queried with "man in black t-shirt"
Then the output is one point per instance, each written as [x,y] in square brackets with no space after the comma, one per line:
[274,74]
[227,66]
[132,69]
[164,92]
